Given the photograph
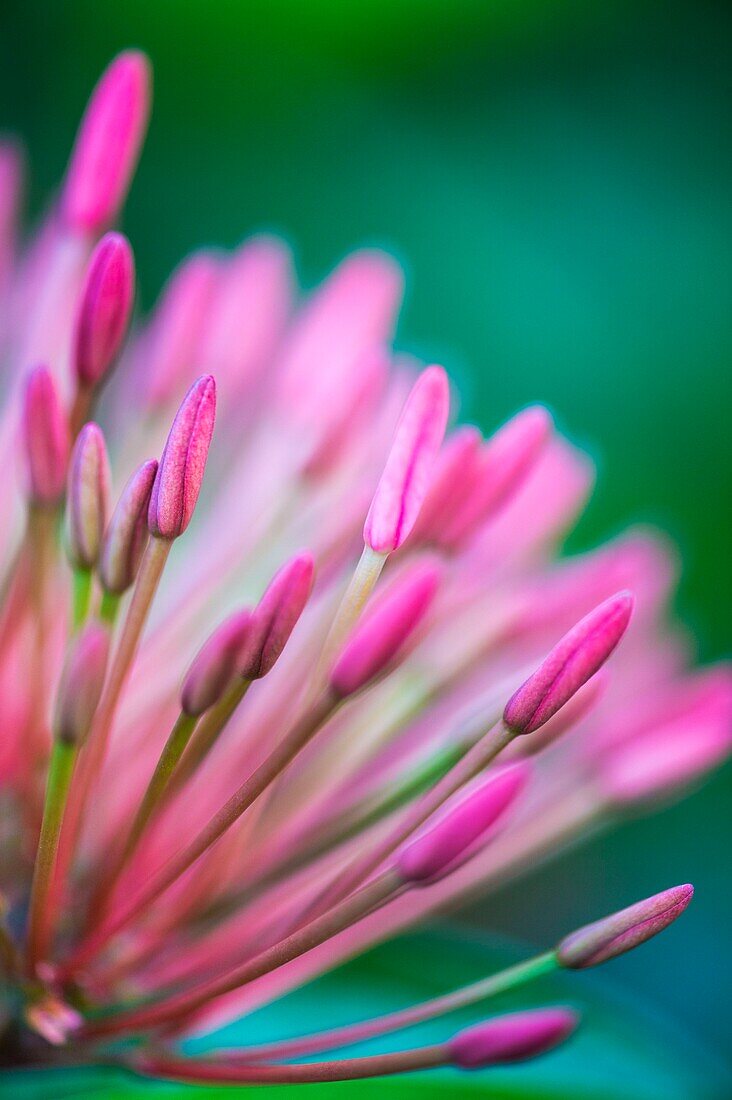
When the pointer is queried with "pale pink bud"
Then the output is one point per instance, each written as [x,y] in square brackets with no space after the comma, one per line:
[353,312]
[447,843]
[275,617]
[108,144]
[577,657]
[81,684]
[507,459]
[658,762]
[383,632]
[87,499]
[452,481]
[614,935]
[46,436]
[180,473]
[406,477]
[125,538]
[214,665]
[180,320]
[104,309]
[511,1038]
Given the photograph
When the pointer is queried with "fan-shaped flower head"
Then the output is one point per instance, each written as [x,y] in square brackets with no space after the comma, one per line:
[311,648]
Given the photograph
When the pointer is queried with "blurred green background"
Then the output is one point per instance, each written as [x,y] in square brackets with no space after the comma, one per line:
[557,179]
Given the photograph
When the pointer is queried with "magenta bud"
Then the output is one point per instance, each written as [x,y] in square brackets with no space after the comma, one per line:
[606,939]
[213,667]
[446,844]
[46,435]
[506,460]
[577,657]
[108,144]
[385,629]
[406,477]
[81,684]
[180,473]
[511,1038]
[87,499]
[126,535]
[105,308]
[275,616]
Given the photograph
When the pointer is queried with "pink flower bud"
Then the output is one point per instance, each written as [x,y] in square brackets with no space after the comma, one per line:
[574,659]
[452,481]
[384,630]
[275,616]
[104,309]
[88,497]
[215,664]
[108,144]
[511,1038]
[180,473]
[406,477]
[447,843]
[125,538]
[606,939]
[180,321]
[81,684]
[507,459]
[659,761]
[46,435]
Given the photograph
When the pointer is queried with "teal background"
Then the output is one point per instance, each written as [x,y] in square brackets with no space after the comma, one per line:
[556,178]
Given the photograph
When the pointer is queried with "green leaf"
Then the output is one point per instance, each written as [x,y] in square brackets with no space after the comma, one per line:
[619,1052]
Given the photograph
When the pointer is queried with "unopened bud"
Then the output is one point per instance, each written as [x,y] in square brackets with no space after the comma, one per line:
[512,1038]
[46,436]
[81,685]
[104,309]
[88,497]
[215,664]
[275,617]
[127,533]
[606,939]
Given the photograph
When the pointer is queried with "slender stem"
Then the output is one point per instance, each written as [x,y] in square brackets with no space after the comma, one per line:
[156,788]
[365,862]
[179,1005]
[345,1069]
[510,978]
[207,733]
[42,547]
[109,607]
[9,959]
[60,771]
[230,812]
[359,589]
[94,751]
[81,600]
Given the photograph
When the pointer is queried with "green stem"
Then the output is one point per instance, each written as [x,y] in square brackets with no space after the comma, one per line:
[171,754]
[109,607]
[505,980]
[81,601]
[61,767]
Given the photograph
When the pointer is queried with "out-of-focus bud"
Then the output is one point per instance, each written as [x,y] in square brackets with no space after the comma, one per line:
[275,617]
[108,144]
[507,458]
[406,476]
[104,310]
[87,500]
[577,657]
[180,473]
[452,481]
[173,344]
[46,436]
[127,533]
[215,664]
[445,844]
[614,935]
[385,629]
[512,1038]
[669,755]
[81,685]
[353,312]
